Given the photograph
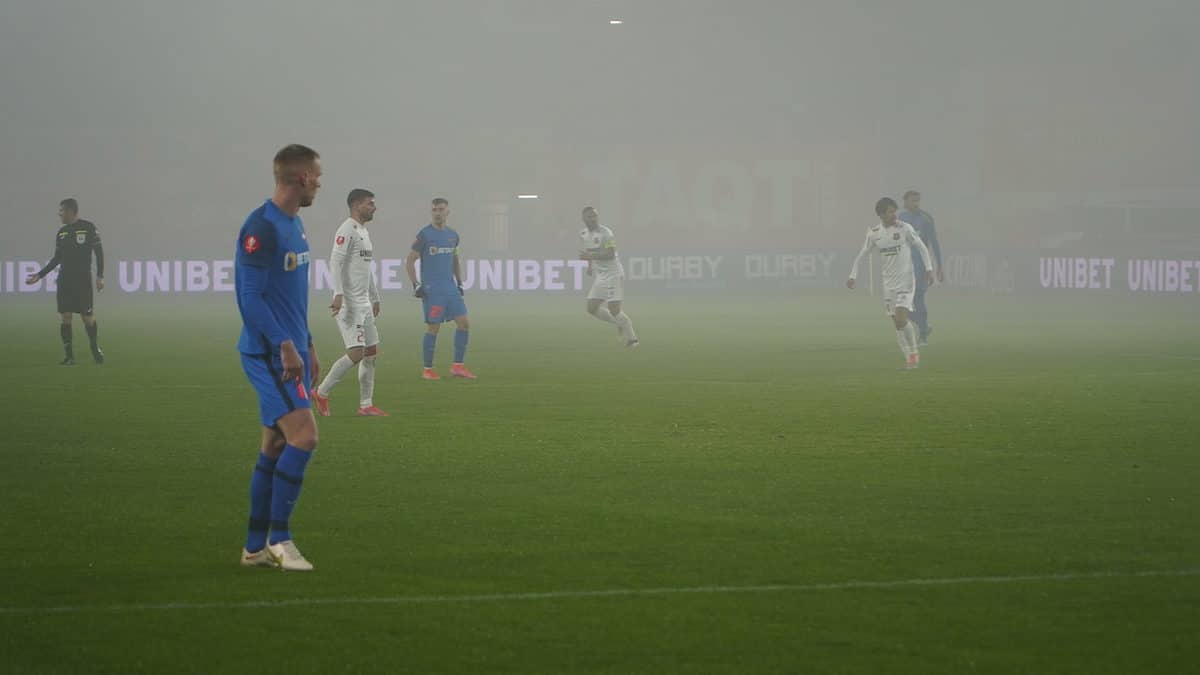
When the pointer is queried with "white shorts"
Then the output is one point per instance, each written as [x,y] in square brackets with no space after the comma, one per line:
[356,334]
[608,287]
[897,297]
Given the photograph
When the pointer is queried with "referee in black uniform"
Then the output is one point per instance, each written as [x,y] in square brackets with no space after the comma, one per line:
[73,248]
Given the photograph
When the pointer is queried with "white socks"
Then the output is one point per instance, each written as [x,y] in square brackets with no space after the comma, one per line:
[336,372]
[902,341]
[907,339]
[604,315]
[366,381]
[626,325]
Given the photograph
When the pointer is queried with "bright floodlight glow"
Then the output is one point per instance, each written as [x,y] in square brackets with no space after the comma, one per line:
[615,22]
[527,196]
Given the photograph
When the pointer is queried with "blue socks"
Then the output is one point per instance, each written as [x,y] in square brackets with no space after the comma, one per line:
[460,345]
[285,490]
[260,503]
[429,344]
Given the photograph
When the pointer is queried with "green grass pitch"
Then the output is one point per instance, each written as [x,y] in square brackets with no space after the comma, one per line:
[759,487]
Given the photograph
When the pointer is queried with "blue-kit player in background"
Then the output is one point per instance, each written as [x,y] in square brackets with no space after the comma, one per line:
[271,280]
[922,222]
[440,289]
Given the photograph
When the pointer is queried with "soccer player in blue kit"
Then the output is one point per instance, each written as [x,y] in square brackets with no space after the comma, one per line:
[440,289]
[271,279]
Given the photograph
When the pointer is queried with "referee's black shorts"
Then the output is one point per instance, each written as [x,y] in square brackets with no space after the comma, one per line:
[75,297]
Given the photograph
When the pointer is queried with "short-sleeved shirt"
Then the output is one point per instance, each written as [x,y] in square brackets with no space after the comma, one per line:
[276,242]
[437,247]
[601,240]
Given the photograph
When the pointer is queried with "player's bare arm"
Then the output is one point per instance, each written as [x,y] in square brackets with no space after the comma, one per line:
[410,265]
[293,365]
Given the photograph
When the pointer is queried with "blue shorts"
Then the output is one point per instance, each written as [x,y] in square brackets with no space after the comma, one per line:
[443,308]
[276,398]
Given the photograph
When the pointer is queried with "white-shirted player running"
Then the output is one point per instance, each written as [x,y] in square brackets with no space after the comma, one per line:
[895,240]
[608,276]
[355,305]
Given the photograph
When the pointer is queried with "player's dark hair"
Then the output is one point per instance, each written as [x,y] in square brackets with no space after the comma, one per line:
[357,195]
[911,193]
[69,204]
[586,209]
[884,204]
[290,159]
[441,200]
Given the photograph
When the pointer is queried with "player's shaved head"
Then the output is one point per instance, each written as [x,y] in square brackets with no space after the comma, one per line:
[292,161]
[358,195]
[441,201]
[910,194]
[882,206]
[69,205]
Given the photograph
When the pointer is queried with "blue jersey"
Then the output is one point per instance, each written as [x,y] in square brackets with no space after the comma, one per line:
[437,248]
[271,279]
[922,222]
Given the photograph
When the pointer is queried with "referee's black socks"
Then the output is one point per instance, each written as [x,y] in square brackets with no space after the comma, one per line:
[64,329]
[93,329]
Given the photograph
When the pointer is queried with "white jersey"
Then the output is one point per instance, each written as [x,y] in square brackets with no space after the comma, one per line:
[895,246]
[601,240]
[350,264]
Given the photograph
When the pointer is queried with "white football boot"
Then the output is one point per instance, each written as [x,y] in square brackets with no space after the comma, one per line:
[288,557]
[262,558]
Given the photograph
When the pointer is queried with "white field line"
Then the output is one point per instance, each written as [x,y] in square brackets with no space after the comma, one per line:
[403,600]
[1181,357]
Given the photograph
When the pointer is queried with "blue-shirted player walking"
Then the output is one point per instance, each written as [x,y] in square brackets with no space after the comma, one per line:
[922,222]
[271,278]
[440,289]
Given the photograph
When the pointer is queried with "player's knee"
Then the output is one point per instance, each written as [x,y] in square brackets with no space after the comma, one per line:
[355,354]
[273,447]
[371,351]
[305,439]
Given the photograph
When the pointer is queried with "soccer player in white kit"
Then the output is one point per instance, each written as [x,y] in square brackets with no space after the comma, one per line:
[895,241]
[608,276]
[355,305]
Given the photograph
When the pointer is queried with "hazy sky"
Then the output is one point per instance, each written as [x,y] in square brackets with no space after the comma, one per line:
[161,117]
